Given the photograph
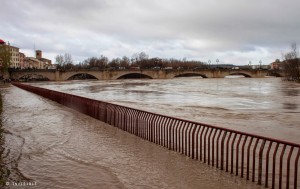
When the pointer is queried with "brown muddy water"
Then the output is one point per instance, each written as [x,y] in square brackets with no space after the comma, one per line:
[266,106]
[56,147]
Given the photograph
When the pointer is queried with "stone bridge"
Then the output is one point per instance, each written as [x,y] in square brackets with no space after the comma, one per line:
[55,75]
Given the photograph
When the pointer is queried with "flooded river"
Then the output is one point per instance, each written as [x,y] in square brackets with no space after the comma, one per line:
[57,147]
[267,106]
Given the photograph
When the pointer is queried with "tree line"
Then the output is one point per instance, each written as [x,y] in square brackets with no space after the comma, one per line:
[291,64]
[138,60]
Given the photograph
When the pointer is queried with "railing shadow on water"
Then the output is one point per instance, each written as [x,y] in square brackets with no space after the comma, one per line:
[267,161]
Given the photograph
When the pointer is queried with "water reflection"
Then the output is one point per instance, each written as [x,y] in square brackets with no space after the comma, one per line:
[290,106]
[290,88]
[291,92]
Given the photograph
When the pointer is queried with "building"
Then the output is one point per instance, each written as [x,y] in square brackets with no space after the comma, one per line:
[14,51]
[46,62]
[37,62]
[20,61]
[15,57]
[32,63]
[277,65]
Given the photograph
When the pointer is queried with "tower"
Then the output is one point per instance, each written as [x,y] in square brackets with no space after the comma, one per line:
[38,54]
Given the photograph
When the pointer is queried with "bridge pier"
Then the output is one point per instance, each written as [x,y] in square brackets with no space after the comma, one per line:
[58,76]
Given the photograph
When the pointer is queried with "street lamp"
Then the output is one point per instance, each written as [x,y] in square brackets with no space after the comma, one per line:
[208,64]
[217,62]
[260,64]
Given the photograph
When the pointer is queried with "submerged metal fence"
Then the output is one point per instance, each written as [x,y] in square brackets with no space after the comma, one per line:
[260,159]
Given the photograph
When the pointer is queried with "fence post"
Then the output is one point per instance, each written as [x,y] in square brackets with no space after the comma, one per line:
[222,150]
[260,161]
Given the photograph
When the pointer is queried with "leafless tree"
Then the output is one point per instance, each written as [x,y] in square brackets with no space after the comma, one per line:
[291,64]
[59,60]
[125,62]
[68,59]
[64,61]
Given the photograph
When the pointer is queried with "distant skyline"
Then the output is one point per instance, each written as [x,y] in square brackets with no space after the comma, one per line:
[232,31]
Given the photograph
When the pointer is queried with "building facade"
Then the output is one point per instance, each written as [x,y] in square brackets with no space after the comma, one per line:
[15,57]
[22,60]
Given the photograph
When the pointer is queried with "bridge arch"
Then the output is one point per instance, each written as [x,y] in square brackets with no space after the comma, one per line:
[33,77]
[240,73]
[81,76]
[134,76]
[191,75]
[72,75]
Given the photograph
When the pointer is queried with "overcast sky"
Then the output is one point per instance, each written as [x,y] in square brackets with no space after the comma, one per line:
[233,31]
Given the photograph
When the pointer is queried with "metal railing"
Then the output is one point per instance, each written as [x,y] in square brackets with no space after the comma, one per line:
[260,159]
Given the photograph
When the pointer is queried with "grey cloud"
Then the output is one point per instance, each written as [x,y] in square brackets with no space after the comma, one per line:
[235,30]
